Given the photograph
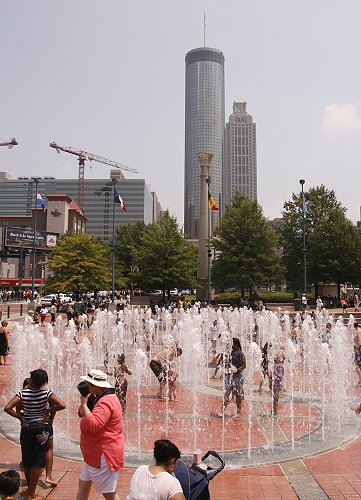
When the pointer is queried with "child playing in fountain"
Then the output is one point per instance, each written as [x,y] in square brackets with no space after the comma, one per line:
[276,379]
[121,382]
[217,360]
[160,364]
[172,385]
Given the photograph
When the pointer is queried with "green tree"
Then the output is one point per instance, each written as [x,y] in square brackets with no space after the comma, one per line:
[245,246]
[78,263]
[127,239]
[164,258]
[335,251]
[327,231]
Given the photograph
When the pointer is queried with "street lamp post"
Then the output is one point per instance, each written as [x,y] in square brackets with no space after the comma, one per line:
[36,183]
[114,181]
[302,182]
[106,189]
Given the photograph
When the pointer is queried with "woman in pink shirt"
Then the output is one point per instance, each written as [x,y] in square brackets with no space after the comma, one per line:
[101,438]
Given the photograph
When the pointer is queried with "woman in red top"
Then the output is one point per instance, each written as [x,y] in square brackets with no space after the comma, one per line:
[101,438]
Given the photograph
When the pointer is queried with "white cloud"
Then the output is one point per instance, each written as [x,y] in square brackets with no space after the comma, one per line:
[342,119]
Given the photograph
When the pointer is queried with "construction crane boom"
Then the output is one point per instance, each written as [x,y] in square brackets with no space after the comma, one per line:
[84,156]
[10,143]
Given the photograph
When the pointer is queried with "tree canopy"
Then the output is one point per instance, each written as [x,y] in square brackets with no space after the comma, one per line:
[78,263]
[164,258]
[127,239]
[245,245]
[333,243]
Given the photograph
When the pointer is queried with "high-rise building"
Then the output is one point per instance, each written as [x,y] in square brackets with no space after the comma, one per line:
[240,162]
[17,198]
[204,130]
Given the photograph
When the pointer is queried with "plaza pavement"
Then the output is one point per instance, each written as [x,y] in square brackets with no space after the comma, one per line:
[335,474]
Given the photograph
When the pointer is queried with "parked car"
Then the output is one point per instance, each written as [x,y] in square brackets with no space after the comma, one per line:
[174,291]
[186,292]
[48,299]
[64,298]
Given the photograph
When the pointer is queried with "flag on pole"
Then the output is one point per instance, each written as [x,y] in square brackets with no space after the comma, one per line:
[118,199]
[211,203]
[304,204]
[40,201]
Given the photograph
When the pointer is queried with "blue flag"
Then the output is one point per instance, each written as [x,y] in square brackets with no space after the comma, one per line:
[40,201]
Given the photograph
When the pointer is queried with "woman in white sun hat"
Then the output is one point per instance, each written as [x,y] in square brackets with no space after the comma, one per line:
[101,438]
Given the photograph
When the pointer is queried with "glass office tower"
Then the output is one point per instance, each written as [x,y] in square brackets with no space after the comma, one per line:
[204,130]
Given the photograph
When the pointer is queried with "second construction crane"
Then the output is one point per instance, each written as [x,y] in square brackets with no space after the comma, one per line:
[9,143]
[83,156]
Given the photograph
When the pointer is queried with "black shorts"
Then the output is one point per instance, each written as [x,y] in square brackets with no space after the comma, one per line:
[34,443]
[158,371]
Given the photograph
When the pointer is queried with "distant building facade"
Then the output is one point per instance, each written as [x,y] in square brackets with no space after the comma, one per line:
[17,209]
[17,198]
[204,129]
[240,162]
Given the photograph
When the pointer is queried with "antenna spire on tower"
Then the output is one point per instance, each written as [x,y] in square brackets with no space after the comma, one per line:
[204,28]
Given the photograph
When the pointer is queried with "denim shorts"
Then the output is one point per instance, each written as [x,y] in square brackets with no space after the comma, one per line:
[34,443]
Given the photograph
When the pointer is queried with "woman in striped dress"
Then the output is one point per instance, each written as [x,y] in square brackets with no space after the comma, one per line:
[39,404]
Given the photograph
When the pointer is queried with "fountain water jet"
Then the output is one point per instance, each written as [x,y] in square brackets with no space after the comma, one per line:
[314,411]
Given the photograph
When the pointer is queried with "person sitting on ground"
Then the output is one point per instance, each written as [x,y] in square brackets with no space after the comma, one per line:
[9,483]
[157,481]
[161,363]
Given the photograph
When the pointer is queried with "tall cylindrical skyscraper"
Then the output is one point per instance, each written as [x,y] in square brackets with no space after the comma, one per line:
[204,129]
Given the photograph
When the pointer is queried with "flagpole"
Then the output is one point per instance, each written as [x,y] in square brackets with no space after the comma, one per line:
[302,182]
[36,182]
[209,247]
[114,181]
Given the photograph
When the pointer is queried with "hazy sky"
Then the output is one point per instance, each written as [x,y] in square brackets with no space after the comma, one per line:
[108,77]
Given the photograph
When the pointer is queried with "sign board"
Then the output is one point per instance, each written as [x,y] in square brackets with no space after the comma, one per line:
[18,237]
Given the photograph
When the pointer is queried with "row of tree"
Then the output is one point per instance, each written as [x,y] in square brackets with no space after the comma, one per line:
[249,251]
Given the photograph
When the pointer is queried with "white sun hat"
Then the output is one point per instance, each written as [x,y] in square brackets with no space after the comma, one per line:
[97,378]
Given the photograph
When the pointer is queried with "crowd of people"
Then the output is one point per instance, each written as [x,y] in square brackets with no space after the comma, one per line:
[102,407]
[101,442]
